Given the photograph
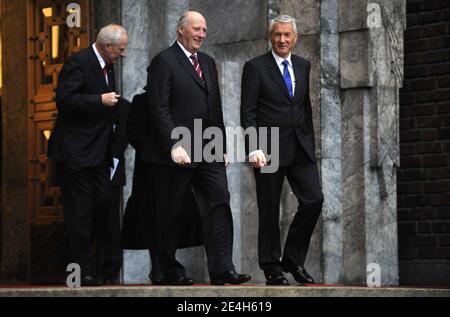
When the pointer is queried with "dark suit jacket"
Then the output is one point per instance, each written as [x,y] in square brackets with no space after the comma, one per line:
[81,135]
[265,102]
[176,97]
[119,139]
[137,230]
[137,124]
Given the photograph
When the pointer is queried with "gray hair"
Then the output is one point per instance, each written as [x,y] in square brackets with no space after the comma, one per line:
[111,34]
[183,19]
[283,19]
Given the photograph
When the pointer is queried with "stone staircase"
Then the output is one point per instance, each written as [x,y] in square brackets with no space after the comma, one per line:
[203,290]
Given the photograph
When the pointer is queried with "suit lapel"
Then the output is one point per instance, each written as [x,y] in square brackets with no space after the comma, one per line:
[206,72]
[274,72]
[300,79]
[188,67]
[112,78]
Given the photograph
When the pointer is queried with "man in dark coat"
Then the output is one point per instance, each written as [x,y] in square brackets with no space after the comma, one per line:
[138,231]
[183,87]
[81,142]
[109,251]
[275,94]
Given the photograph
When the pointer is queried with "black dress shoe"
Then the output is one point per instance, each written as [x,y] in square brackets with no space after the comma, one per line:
[230,277]
[182,281]
[88,280]
[276,278]
[156,279]
[301,276]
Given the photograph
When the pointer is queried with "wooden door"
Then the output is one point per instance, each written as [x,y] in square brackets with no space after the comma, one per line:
[53,38]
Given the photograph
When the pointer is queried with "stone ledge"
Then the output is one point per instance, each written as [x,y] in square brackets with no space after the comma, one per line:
[222,291]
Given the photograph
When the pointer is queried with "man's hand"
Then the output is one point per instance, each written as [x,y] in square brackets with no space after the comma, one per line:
[110,99]
[258,159]
[226,161]
[180,156]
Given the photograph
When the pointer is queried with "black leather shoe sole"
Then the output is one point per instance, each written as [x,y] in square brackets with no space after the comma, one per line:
[183,281]
[277,281]
[301,278]
[235,281]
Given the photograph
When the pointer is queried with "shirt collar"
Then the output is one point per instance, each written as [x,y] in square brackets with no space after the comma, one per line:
[188,54]
[99,57]
[280,59]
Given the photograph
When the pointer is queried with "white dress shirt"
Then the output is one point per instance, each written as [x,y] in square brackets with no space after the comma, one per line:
[279,60]
[100,60]
[112,170]
[188,54]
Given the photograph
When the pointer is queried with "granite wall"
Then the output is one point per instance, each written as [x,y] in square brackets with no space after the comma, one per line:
[356,51]
[371,73]
[357,68]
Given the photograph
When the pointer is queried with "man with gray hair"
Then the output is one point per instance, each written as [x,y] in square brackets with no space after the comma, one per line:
[82,144]
[182,88]
[275,93]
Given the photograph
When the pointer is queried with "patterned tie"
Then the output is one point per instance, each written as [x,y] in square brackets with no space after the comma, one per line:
[287,78]
[197,66]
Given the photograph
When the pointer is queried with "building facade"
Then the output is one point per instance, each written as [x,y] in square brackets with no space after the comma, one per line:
[356,51]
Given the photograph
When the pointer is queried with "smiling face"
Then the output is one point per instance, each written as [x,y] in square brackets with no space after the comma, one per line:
[283,39]
[192,33]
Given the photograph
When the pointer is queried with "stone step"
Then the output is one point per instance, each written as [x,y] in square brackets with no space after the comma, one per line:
[199,290]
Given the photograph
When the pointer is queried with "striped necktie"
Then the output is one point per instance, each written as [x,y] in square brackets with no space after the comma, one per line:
[197,66]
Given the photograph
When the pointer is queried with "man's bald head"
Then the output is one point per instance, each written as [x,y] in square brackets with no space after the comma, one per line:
[190,16]
[191,30]
[111,43]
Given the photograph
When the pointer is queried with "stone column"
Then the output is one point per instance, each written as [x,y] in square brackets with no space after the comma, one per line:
[371,61]
[331,136]
[135,18]
[307,14]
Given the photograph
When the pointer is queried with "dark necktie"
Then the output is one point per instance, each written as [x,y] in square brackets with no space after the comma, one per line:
[108,71]
[197,66]
[287,78]
[105,72]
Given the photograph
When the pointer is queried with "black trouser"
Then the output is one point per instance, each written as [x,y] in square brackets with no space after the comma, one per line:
[156,273]
[303,177]
[109,252]
[211,189]
[86,196]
